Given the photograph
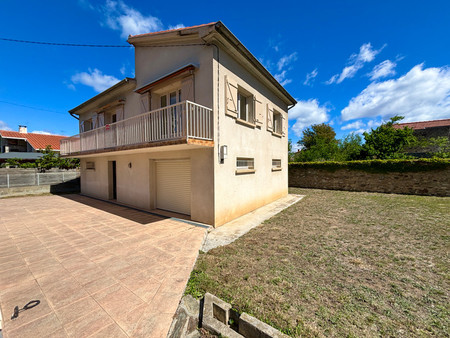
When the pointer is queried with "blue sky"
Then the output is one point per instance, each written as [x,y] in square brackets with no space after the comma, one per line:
[352,64]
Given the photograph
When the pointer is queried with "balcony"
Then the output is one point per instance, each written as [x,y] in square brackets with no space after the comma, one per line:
[184,122]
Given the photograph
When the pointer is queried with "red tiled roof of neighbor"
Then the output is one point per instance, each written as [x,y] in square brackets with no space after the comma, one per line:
[37,141]
[173,30]
[423,124]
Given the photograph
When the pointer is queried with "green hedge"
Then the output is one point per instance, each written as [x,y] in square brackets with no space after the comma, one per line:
[378,166]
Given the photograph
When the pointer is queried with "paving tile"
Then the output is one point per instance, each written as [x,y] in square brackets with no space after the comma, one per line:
[46,267]
[101,283]
[62,292]
[112,330]
[88,324]
[76,310]
[15,276]
[10,262]
[41,327]
[153,325]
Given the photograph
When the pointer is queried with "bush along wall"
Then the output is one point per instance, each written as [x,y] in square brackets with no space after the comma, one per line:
[417,177]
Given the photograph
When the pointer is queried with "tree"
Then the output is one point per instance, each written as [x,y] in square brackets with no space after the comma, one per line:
[318,144]
[386,141]
[317,134]
[350,147]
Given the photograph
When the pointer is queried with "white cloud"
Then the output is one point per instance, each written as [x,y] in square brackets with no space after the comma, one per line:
[356,62]
[128,20]
[4,126]
[419,95]
[286,60]
[42,132]
[383,69]
[180,25]
[281,78]
[95,79]
[354,125]
[306,113]
[310,77]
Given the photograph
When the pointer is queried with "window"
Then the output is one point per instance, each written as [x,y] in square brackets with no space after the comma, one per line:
[90,165]
[276,164]
[245,165]
[170,98]
[245,107]
[277,122]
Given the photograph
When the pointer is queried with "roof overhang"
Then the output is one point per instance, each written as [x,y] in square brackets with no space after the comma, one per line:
[218,34]
[104,98]
[186,69]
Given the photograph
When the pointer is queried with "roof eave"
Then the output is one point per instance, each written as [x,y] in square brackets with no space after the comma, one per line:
[110,91]
[234,41]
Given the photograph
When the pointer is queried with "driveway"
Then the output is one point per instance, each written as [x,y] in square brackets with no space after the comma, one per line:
[98,269]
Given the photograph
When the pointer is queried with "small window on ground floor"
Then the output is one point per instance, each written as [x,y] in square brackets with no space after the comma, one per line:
[90,165]
[245,165]
[276,164]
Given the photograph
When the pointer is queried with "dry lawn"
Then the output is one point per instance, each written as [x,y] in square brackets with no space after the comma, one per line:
[340,264]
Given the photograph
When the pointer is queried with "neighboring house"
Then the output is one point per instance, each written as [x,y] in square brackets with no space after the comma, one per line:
[201,130]
[24,145]
[428,129]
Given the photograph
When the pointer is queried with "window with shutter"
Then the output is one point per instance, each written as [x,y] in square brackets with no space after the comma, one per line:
[145,102]
[231,93]
[94,121]
[259,113]
[119,113]
[269,113]
[187,89]
[101,119]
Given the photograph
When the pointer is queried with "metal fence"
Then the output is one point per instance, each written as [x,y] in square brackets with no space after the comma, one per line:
[22,179]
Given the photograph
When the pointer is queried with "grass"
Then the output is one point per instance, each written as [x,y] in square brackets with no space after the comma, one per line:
[340,264]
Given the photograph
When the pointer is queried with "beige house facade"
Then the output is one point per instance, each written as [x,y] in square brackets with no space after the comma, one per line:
[200,131]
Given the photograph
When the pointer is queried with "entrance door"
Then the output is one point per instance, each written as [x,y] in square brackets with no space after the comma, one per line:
[112,180]
[173,186]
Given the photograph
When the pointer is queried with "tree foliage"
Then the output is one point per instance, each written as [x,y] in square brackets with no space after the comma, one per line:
[49,160]
[388,142]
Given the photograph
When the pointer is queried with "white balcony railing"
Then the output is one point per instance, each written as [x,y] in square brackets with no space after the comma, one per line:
[179,121]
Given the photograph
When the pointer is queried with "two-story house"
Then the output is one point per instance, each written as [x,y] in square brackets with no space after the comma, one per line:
[201,130]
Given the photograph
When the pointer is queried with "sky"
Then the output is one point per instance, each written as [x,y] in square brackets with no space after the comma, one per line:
[351,64]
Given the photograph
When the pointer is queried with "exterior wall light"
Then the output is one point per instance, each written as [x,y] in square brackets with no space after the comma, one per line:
[129,165]
[223,153]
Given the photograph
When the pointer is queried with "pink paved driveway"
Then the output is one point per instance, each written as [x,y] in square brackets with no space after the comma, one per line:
[99,270]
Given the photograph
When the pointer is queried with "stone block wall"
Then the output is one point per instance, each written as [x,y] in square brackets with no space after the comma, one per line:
[429,182]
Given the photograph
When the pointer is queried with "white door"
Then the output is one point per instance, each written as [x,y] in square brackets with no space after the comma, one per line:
[173,186]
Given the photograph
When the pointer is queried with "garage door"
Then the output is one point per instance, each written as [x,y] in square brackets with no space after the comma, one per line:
[173,186]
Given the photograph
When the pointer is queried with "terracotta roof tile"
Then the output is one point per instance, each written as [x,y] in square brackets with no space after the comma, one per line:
[423,124]
[172,30]
[37,141]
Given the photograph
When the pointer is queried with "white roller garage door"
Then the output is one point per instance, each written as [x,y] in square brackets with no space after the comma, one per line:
[173,186]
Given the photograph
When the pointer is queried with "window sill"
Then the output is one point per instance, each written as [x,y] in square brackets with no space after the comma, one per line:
[277,169]
[245,171]
[245,123]
[276,134]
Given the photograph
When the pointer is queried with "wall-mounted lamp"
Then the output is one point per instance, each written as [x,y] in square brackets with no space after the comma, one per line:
[129,165]
[223,153]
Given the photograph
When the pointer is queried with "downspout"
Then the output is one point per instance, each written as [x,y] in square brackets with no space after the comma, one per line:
[218,97]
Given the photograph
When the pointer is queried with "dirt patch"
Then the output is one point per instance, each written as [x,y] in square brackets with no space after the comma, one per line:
[340,263]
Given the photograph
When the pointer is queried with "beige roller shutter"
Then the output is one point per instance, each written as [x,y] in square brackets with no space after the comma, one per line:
[173,186]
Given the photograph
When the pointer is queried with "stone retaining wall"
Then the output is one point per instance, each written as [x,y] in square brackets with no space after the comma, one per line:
[429,182]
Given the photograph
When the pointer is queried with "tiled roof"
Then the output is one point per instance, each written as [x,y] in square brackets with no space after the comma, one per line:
[173,30]
[423,124]
[37,141]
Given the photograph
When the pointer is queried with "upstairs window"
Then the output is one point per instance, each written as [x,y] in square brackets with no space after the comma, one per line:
[277,122]
[245,107]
